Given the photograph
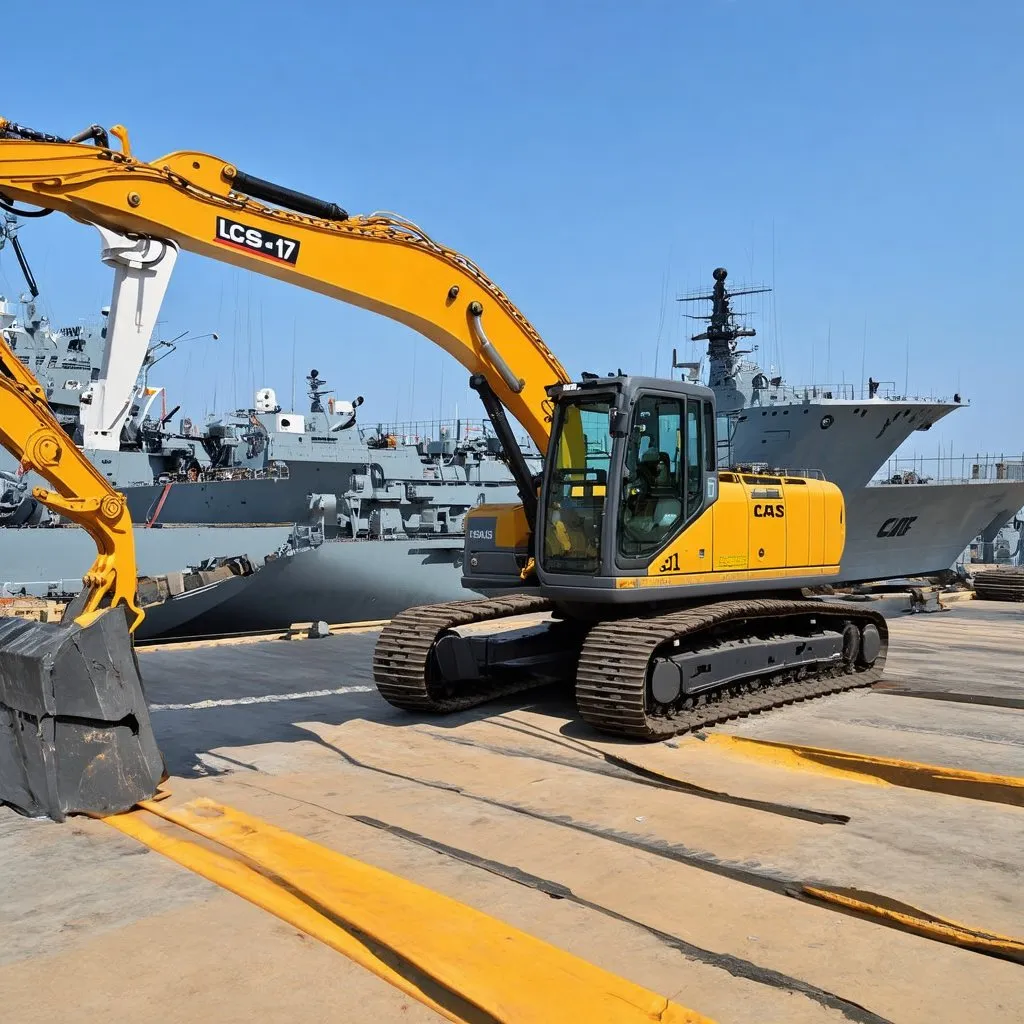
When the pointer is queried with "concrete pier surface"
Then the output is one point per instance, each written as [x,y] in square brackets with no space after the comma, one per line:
[686,866]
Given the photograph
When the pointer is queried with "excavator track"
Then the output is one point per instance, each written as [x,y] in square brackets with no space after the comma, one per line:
[402,658]
[613,688]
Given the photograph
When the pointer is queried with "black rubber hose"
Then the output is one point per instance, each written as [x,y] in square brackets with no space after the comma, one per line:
[10,130]
[8,205]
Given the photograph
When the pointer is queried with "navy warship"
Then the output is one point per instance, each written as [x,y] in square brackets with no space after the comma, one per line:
[899,523]
[339,522]
[251,489]
[214,506]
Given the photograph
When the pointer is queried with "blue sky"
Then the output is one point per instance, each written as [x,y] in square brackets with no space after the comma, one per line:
[597,160]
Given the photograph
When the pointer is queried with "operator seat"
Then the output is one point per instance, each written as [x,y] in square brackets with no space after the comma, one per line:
[658,508]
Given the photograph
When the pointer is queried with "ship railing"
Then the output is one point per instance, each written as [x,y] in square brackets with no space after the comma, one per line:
[885,391]
[53,590]
[766,469]
[952,469]
[462,429]
[434,430]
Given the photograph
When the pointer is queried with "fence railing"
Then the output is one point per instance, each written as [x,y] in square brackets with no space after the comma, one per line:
[885,390]
[951,469]
[461,429]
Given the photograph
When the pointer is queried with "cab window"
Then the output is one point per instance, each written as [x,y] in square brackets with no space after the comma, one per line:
[654,489]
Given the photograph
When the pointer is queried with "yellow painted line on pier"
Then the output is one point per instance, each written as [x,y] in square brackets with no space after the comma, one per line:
[920,922]
[459,961]
[879,771]
[245,881]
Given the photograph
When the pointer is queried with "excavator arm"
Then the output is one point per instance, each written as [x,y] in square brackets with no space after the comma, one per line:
[75,734]
[30,432]
[54,704]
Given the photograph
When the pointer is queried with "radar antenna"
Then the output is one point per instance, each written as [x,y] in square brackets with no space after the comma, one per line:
[722,326]
[722,330]
[316,388]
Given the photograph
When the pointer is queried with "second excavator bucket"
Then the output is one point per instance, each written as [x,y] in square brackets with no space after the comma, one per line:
[75,733]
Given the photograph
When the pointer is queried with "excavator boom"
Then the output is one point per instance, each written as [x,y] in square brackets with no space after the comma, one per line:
[145,213]
[379,262]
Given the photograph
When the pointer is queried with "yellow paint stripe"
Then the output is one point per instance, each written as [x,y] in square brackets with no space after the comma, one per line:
[922,923]
[506,973]
[879,771]
[237,877]
[719,575]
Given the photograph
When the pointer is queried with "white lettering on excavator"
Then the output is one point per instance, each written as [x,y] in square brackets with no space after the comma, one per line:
[481,535]
[256,241]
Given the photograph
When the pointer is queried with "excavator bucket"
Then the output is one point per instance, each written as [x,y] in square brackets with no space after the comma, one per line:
[75,733]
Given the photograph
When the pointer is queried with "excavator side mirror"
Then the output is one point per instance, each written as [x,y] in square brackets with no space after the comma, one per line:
[618,421]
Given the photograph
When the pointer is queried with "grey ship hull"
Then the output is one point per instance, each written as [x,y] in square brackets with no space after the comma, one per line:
[227,502]
[895,530]
[340,581]
[359,580]
[857,440]
[350,581]
[38,558]
[892,531]
[343,581]
[176,615]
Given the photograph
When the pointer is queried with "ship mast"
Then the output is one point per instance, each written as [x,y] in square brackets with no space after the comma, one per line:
[316,389]
[723,330]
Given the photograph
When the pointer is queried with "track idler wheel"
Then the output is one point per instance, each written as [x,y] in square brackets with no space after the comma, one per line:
[75,734]
[870,645]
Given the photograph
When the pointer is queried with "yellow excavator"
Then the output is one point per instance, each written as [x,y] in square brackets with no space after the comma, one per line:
[669,591]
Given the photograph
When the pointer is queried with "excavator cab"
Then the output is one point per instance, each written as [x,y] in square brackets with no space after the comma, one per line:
[629,466]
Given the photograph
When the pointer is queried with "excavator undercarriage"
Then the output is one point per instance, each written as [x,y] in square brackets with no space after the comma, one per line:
[647,677]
